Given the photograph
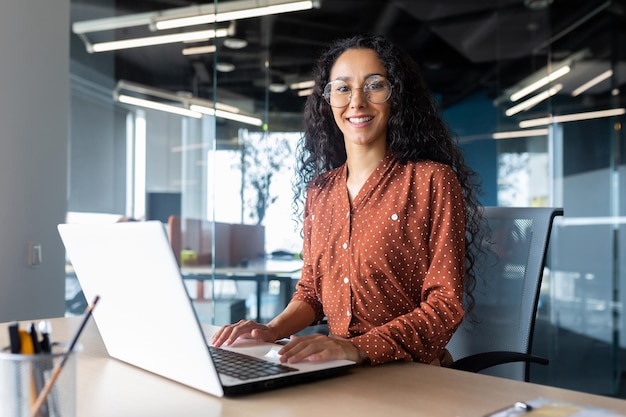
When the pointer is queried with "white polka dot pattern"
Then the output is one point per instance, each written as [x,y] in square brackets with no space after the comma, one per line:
[389,274]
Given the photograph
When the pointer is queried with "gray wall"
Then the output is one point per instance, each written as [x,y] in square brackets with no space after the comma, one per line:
[97,152]
[34,112]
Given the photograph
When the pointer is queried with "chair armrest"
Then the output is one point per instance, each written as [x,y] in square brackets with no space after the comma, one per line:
[480,361]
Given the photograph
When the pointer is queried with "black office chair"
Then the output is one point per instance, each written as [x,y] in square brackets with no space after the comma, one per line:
[496,337]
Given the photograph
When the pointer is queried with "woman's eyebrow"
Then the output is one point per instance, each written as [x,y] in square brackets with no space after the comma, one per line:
[348,78]
[344,78]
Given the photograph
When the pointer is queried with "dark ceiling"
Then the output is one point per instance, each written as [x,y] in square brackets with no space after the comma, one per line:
[462,46]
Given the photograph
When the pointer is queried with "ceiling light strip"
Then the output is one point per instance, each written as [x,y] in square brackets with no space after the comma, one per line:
[157,40]
[540,83]
[533,101]
[113,23]
[193,106]
[305,92]
[302,84]
[520,134]
[226,115]
[239,118]
[227,107]
[593,82]
[571,117]
[158,106]
[198,50]
[123,85]
[236,14]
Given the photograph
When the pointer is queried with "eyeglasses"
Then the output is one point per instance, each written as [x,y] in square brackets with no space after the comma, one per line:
[376,88]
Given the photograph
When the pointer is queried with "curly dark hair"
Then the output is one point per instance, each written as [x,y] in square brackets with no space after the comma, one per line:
[415,132]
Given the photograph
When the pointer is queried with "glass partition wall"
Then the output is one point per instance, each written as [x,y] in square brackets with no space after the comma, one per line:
[561,144]
[217,173]
[222,187]
[237,188]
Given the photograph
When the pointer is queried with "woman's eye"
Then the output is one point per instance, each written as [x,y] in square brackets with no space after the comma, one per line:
[376,85]
[342,88]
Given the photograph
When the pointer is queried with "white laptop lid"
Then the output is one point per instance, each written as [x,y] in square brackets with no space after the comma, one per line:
[144,314]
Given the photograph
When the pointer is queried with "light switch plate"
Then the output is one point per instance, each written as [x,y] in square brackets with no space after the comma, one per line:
[34,254]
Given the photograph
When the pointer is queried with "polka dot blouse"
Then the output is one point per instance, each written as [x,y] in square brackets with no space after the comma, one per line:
[387,271]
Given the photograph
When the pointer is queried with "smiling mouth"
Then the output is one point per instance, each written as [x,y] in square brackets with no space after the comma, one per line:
[359,119]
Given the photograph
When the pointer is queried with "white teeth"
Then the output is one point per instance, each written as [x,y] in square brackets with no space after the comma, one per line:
[360,119]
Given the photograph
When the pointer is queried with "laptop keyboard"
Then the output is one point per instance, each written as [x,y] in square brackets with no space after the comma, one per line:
[245,367]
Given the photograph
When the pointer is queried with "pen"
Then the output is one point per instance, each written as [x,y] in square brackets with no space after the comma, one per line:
[34,338]
[44,329]
[38,368]
[14,337]
[34,411]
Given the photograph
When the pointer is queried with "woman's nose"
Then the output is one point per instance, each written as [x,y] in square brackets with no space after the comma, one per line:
[357,97]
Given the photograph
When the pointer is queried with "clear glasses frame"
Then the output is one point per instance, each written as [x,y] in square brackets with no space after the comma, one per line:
[377,90]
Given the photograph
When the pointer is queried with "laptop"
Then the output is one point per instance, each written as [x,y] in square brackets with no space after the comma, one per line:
[146,317]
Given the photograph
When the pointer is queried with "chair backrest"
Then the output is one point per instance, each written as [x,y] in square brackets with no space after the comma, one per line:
[509,270]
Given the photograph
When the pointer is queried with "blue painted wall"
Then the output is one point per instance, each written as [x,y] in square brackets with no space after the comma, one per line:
[477,117]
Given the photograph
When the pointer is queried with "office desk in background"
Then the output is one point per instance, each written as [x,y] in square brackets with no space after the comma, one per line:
[107,387]
[261,272]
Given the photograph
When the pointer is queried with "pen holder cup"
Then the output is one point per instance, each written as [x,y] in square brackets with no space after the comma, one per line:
[23,377]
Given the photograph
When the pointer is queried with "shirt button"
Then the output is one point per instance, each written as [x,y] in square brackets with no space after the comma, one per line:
[346,280]
[394,217]
[345,246]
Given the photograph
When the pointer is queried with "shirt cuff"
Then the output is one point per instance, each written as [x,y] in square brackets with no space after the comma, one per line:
[378,349]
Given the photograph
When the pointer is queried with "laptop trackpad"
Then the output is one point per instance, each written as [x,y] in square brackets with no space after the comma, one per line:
[273,353]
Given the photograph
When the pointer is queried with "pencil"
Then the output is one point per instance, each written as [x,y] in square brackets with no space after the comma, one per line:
[27,347]
[34,411]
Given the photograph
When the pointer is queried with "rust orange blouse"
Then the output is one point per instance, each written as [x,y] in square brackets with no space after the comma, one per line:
[388,271]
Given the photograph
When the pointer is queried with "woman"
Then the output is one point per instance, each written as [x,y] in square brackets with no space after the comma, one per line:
[389,218]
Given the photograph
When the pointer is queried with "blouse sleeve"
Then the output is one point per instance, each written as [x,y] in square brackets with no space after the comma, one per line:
[423,333]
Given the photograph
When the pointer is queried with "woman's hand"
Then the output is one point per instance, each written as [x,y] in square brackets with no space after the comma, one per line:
[245,329]
[296,316]
[317,348]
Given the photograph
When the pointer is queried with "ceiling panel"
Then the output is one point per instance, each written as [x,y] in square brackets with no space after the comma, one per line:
[462,46]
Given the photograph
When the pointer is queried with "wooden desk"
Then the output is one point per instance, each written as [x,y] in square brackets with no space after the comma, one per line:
[283,271]
[107,387]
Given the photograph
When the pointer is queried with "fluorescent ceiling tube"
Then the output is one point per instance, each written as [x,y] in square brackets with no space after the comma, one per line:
[305,92]
[533,101]
[226,11]
[594,81]
[238,10]
[157,40]
[302,84]
[226,107]
[520,134]
[540,83]
[190,106]
[571,117]
[158,106]
[226,115]
[112,23]
[197,50]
